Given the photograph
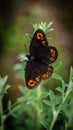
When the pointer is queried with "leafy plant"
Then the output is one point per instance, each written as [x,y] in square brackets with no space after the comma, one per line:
[3,90]
[40,107]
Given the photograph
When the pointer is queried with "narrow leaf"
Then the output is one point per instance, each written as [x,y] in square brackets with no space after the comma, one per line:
[56,76]
[59,89]
[29,35]
[57,65]
[23,90]
[45,94]
[40,105]
[47,102]
[9,105]
[45,124]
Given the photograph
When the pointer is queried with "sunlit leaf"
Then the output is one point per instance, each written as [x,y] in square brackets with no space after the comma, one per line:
[59,89]
[3,81]
[57,65]
[23,89]
[47,102]
[31,100]
[45,94]
[40,105]
[51,95]
[45,124]
[56,76]
[5,88]
[29,35]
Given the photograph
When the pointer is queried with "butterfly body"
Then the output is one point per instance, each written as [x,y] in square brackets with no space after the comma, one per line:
[39,62]
[36,59]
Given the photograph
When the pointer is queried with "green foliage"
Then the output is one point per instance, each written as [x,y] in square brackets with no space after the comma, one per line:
[40,107]
[3,86]
[59,103]
[43,26]
[47,114]
[3,90]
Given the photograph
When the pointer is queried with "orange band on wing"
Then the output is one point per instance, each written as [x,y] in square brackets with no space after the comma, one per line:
[52,59]
[38,78]
[40,36]
[53,52]
[45,75]
[31,83]
[44,43]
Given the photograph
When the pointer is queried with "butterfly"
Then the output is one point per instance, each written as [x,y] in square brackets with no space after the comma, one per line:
[38,66]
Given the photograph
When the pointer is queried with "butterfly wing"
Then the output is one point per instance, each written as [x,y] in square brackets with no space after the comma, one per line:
[36,71]
[39,48]
[38,42]
[48,54]
[41,55]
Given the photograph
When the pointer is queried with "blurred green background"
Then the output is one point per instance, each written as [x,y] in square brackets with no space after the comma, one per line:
[17,18]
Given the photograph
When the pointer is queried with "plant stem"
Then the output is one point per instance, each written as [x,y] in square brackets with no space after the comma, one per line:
[54,119]
[1,114]
[38,111]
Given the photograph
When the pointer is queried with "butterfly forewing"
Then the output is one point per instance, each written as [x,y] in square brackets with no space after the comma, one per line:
[38,42]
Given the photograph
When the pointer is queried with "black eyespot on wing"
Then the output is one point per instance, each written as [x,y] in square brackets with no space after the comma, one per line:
[38,42]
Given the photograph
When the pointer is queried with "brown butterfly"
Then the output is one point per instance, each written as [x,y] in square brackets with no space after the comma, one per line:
[41,56]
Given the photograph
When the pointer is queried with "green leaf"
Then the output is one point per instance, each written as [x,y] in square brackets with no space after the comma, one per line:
[22,99]
[14,115]
[9,105]
[18,67]
[57,65]
[56,76]
[49,25]
[71,74]
[47,102]
[58,100]
[51,95]
[31,100]
[40,105]
[63,86]
[45,124]
[3,82]
[51,29]
[59,89]
[4,90]
[29,35]
[23,89]
[62,89]
[43,26]
[45,94]
[23,57]
[15,109]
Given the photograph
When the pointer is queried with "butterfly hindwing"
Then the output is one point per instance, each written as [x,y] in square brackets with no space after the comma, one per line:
[49,54]
[31,74]
[35,71]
